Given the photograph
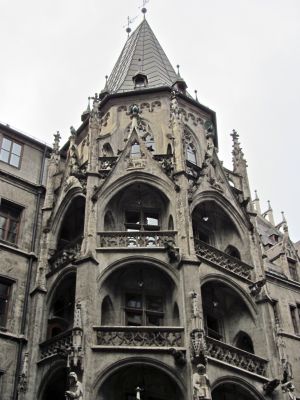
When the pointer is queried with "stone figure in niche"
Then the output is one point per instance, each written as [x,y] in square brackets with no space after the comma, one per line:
[75,388]
[201,384]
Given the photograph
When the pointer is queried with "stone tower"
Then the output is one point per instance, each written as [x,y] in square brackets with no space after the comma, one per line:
[158,277]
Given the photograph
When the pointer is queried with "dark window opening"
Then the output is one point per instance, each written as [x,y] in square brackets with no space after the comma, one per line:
[147,220]
[213,327]
[294,319]
[233,252]
[244,342]
[5,290]
[73,223]
[10,216]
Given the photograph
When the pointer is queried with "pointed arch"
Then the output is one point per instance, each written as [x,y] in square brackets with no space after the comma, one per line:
[244,342]
[107,311]
[107,150]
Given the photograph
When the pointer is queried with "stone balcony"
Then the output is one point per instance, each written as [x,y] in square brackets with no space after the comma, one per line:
[235,357]
[65,256]
[139,337]
[125,239]
[58,345]
[222,260]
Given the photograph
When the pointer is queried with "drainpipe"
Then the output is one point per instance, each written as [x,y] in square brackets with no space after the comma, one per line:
[28,280]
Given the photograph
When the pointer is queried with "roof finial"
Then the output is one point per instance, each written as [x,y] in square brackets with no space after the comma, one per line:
[196,97]
[178,66]
[256,195]
[129,22]
[143,8]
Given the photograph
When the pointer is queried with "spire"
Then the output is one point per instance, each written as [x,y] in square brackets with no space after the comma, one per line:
[142,53]
[256,203]
[237,153]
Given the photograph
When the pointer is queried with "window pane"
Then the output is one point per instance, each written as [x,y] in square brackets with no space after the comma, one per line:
[16,149]
[154,320]
[4,155]
[151,218]
[134,319]
[14,160]
[2,227]
[134,301]
[154,303]
[190,154]
[132,217]
[4,290]
[6,144]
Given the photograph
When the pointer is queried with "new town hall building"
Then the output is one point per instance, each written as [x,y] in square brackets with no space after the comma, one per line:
[131,257]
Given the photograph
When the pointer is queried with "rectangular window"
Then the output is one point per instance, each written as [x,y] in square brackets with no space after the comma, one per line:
[10,152]
[294,319]
[5,288]
[10,216]
[141,310]
[213,327]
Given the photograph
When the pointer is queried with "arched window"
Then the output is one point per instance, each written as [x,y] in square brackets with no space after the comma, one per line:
[171,223]
[169,150]
[107,151]
[109,222]
[107,311]
[61,313]
[244,342]
[233,252]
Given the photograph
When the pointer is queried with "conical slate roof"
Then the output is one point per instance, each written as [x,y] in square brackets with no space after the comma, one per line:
[142,53]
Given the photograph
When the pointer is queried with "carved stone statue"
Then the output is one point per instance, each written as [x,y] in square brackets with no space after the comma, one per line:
[75,388]
[289,390]
[201,384]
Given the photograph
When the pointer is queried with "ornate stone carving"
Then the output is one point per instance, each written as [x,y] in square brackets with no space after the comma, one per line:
[288,389]
[197,335]
[270,386]
[76,352]
[236,357]
[75,388]
[135,239]
[140,336]
[65,256]
[58,345]
[222,260]
[166,163]
[255,288]
[201,384]
[22,386]
[179,357]
[173,253]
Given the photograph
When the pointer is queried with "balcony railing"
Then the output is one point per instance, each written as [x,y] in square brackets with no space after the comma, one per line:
[135,239]
[222,260]
[66,255]
[58,345]
[236,357]
[142,336]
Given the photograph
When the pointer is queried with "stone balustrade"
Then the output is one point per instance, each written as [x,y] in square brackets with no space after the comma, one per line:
[236,357]
[66,255]
[142,336]
[222,260]
[58,345]
[136,239]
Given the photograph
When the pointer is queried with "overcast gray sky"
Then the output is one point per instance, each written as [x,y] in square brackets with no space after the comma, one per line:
[243,57]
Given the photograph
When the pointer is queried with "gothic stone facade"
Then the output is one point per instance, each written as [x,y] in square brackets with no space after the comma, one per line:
[143,266]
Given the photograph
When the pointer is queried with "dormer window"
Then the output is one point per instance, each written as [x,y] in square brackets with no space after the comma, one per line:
[140,80]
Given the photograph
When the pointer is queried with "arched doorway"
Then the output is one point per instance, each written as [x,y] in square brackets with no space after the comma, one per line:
[152,383]
[232,391]
[56,386]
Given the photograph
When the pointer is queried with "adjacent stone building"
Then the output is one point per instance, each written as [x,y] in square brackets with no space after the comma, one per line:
[143,267]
